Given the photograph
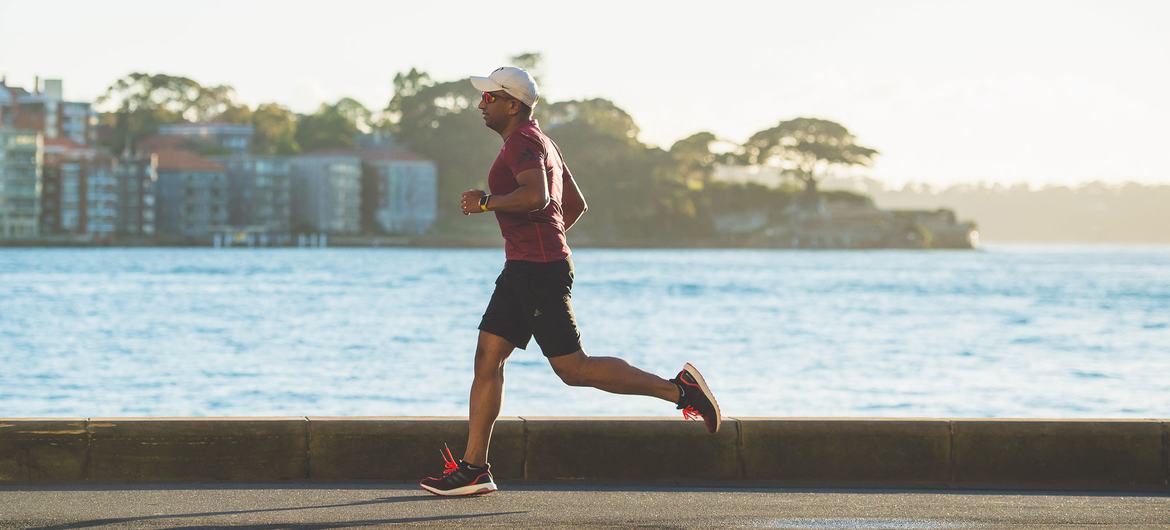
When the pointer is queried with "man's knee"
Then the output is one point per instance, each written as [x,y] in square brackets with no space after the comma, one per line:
[488,364]
[490,358]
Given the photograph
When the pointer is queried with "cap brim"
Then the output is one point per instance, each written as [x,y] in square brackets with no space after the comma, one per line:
[484,84]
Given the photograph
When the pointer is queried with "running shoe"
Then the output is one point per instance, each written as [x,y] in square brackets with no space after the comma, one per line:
[459,478]
[697,400]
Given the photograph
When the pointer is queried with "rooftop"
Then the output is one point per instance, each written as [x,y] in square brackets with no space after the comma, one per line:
[370,155]
[204,128]
[64,143]
[65,146]
[184,160]
[392,154]
[160,142]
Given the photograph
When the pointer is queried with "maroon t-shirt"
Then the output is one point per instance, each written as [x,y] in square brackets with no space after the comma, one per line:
[533,236]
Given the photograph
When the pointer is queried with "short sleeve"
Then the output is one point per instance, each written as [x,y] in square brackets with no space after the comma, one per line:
[525,153]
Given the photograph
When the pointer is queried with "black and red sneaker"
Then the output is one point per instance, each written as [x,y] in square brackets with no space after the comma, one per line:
[459,478]
[696,399]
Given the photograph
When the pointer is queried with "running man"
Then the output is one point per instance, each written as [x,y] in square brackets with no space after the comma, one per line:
[536,201]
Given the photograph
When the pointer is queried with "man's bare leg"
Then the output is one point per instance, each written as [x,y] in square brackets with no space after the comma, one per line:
[487,393]
[611,375]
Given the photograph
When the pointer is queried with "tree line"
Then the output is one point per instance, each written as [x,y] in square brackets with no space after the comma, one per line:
[640,193]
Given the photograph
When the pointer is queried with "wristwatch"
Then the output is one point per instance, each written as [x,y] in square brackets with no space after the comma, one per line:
[483,201]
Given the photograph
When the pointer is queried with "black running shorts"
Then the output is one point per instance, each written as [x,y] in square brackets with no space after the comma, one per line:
[533,299]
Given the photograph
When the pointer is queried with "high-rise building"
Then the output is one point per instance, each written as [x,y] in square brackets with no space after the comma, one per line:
[47,111]
[326,192]
[212,137]
[191,196]
[400,191]
[136,181]
[259,193]
[20,182]
[78,192]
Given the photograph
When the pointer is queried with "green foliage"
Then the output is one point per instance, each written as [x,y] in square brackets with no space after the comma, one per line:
[636,190]
[847,196]
[172,95]
[922,235]
[274,130]
[638,194]
[695,161]
[214,102]
[807,149]
[442,122]
[331,127]
[355,113]
[530,61]
[600,115]
[239,114]
[406,85]
[141,102]
[723,197]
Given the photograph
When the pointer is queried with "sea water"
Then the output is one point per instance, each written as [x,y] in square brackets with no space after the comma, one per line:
[1012,331]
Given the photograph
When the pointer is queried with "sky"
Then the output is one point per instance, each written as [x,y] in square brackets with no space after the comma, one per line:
[1038,92]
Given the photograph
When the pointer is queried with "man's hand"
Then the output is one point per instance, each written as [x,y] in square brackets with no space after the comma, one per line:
[470,201]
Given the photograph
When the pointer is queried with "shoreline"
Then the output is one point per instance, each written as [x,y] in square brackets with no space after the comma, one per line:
[446,242]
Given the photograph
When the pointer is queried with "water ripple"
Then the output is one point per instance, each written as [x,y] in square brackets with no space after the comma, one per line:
[1008,332]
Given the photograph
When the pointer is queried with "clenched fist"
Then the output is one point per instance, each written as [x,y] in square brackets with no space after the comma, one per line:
[470,201]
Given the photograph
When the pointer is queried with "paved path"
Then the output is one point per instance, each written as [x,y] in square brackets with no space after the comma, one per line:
[551,506]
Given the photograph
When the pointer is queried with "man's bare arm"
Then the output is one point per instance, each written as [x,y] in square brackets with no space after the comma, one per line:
[573,202]
[532,195]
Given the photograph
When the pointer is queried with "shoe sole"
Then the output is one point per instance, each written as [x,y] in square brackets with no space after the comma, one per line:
[473,489]
[690,369]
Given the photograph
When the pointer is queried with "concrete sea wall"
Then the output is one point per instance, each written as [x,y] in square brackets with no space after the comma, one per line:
[1115,455]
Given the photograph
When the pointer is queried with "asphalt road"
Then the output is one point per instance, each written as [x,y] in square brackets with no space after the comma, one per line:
[319,506]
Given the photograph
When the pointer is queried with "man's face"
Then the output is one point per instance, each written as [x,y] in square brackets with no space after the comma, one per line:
[496,108]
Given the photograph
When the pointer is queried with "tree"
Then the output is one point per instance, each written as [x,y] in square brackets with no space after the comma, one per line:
[696,162]
[442,122]
[141,102]
[331,127]
[807,149]
[636,190]
[406,85]
[530,61]
[355,113]
[213,102]
[240,114]
[601,115]
[274,130]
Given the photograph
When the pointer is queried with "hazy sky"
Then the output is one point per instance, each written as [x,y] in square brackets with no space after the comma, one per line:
[948,91]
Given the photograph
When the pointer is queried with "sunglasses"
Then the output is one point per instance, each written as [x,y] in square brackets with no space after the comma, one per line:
[488,97]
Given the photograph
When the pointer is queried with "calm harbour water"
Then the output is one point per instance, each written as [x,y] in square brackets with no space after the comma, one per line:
[1027,331]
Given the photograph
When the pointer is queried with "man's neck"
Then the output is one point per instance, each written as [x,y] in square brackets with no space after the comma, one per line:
[512,126]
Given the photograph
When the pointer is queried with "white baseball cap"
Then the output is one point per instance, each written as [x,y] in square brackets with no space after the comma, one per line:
[515,81]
